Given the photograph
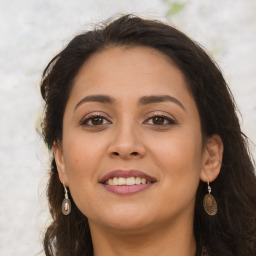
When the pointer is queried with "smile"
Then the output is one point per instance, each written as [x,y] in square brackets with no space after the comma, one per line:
[125,182]
[119,181]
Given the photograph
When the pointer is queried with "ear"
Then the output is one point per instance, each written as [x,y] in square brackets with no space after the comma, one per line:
[59,159]
[212,158]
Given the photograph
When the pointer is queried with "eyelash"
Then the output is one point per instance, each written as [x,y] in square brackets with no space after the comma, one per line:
[168,119]
[86,120]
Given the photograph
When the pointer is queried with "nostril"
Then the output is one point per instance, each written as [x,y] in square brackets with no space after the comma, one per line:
[125,154]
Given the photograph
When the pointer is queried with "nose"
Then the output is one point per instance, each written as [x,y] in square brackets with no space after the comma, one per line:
[126,144]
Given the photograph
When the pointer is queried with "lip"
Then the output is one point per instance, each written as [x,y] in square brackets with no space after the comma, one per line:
[126,174]
[127,189]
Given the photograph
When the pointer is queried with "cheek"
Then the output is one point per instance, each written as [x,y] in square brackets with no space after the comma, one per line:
[180,159]
[82,155]
[179,162]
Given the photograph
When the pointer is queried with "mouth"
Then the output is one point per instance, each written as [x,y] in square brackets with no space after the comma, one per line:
[120,181]
[126,182]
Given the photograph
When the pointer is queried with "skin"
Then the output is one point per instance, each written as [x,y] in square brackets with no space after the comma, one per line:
[158,220]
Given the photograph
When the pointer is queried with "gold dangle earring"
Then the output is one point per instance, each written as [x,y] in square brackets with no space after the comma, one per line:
[210,205]
[66,204]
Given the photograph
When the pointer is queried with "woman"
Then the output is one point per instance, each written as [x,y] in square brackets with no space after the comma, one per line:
[148,155]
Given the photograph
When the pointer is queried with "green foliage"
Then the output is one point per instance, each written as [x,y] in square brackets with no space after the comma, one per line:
[175,7]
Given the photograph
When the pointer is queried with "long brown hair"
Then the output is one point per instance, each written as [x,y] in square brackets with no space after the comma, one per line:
[233,230]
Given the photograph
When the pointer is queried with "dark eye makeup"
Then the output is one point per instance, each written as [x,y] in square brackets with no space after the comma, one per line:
[94,120]
[98,120]
[160,120]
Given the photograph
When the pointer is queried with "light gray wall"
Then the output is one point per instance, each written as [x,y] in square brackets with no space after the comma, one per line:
[32,31]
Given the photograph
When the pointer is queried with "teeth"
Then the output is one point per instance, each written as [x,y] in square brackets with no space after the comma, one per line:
[127,181]
[138,180]
[121,181]
[115,181]
[130,181]
[110,182]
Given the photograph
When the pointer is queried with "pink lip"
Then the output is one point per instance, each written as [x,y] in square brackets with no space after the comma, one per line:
[128,189]
[126,174]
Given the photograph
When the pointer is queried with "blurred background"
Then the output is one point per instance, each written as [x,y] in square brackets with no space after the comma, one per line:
[33,31]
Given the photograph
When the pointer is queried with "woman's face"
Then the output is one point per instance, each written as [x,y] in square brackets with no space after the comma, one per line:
[131,120]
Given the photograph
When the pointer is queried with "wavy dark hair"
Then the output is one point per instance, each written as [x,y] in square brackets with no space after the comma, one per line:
[233,230]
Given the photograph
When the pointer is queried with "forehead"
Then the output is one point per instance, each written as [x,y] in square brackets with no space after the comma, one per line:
[119,69]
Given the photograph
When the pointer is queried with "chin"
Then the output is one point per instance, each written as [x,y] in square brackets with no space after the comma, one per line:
[124,219]
[129,225]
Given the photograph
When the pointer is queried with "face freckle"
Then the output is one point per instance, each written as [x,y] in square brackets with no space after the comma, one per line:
[130,109]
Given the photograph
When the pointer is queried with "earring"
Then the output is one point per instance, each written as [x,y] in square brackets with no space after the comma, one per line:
[66,204]
[210,204]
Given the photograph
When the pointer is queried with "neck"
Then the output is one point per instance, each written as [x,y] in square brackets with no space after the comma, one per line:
[175,239]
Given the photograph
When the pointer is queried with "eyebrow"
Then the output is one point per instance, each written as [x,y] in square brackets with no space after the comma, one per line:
[158,99]
[145,100]
[96,98]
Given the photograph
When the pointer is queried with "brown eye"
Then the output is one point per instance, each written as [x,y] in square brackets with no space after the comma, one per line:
[158,120]
[97,121]
[94,121]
